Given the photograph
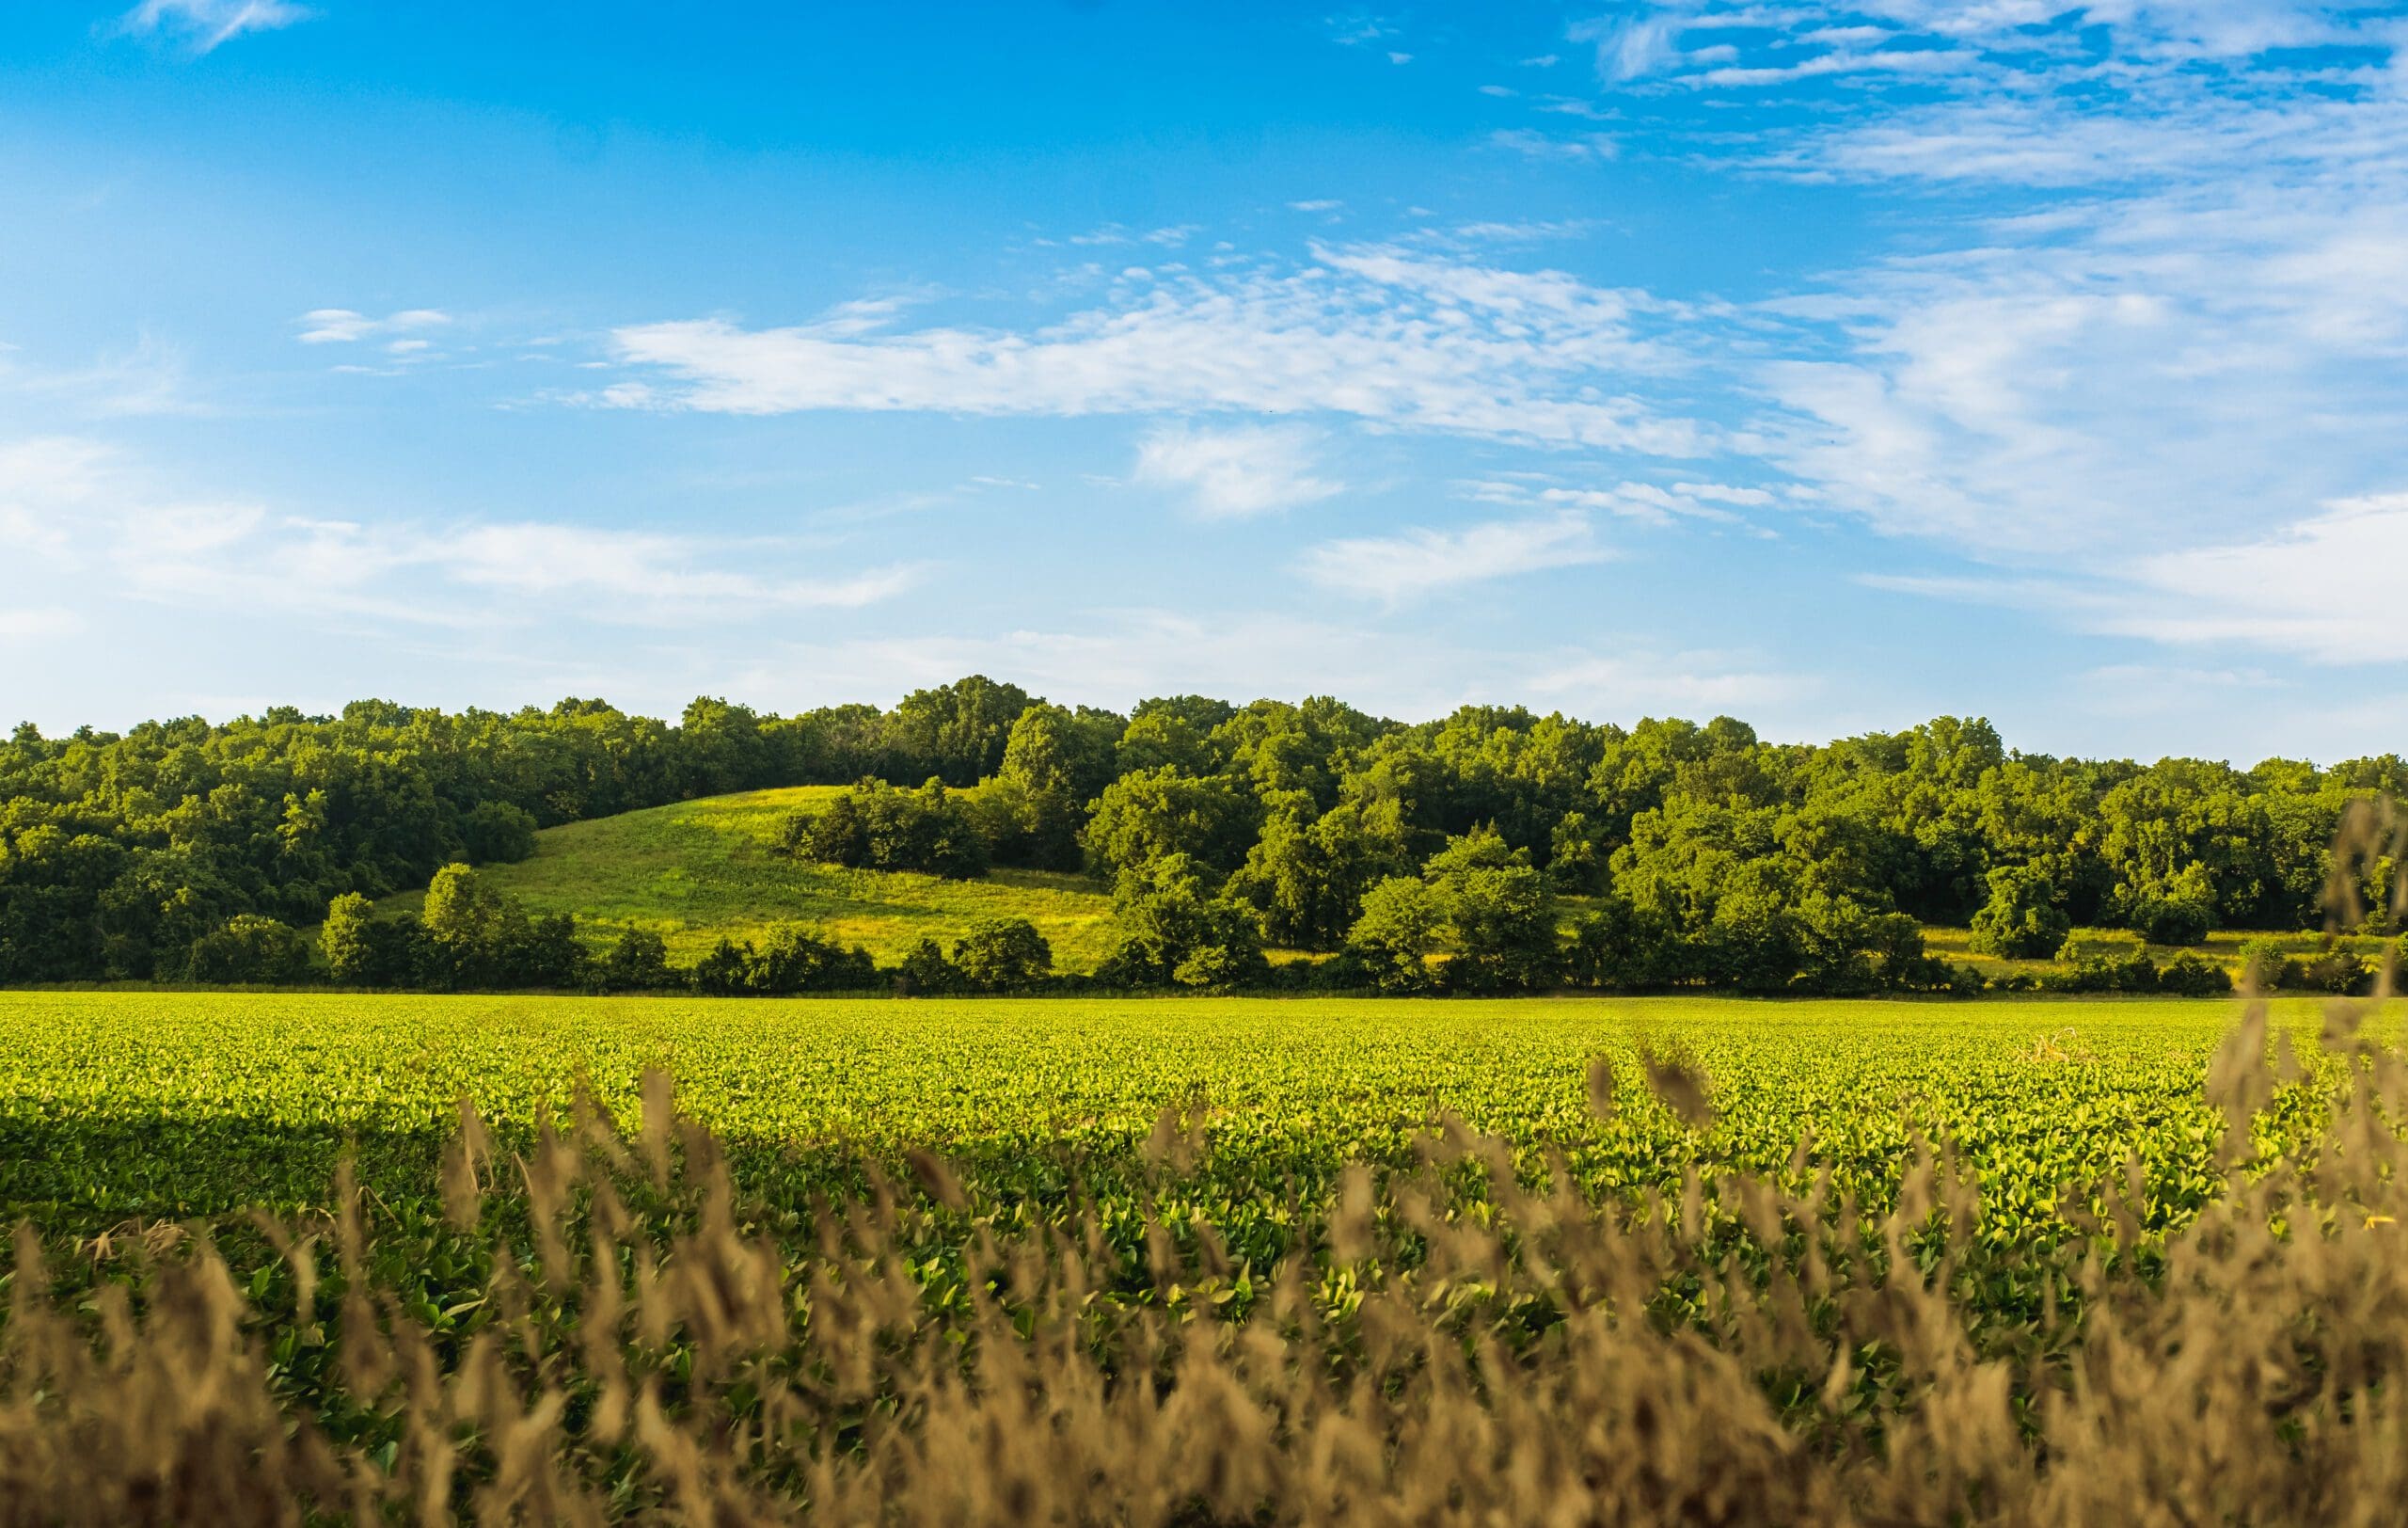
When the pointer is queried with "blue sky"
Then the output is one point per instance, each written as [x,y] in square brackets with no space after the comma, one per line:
[1830,366]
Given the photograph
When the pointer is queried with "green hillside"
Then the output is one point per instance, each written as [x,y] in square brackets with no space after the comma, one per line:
[698,869]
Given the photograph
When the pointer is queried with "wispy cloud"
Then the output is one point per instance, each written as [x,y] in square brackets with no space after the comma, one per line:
[1400,569]
[1688,683]
[342,326]
[94,519]
[205,26]
[1385,335]
[1236,472]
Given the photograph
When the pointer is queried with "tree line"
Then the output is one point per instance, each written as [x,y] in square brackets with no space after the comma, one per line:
[1524,850]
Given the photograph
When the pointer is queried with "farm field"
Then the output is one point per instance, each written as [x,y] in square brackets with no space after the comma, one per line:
[118,1105]
[1724,1237]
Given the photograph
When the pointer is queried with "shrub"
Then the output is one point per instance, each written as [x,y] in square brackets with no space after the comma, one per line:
[2187,976]
[2133,973]
[725,969]
[794,959]
[638,961]
[2264,964]
[1002,955]
[249,950]
[1392,940]
[2339,972]
[875,826]
[497,833]
[926,972]
[2021,920]
[2170,920]
[1168,930]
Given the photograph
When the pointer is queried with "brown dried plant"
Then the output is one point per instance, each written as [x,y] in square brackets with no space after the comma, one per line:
[1469,1343]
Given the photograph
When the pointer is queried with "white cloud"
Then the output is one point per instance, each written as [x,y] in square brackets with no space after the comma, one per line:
[1588,148]
[1683,683]
[1631,48]
[342,326]
[2329,588]
[1888,62]
[108,527]
[1398,568]
[1236,472]
[205,24]
[1388,336]
[19,623]
[1320,205]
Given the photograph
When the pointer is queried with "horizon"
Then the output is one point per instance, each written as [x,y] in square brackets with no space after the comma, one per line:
[671,717]
[1834,368]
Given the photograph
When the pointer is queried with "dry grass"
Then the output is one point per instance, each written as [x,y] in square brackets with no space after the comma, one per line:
[1459,1345]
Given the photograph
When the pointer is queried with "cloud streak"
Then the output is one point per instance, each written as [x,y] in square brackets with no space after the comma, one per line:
[1391,338]
[1398,569]
[1238,472]
[206,25]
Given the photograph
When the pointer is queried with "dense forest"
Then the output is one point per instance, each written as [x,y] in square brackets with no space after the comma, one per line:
[1528,851]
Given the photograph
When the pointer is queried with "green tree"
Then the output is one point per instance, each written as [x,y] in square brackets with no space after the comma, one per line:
[1002,955]
[637,960]
[1500,915]
[497,833]
[1398,930]
[251,950]
[2022,919]
[347,942]
[1169,930]
[1158,814]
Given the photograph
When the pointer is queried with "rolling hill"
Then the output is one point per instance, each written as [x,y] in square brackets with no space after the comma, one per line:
[695,870]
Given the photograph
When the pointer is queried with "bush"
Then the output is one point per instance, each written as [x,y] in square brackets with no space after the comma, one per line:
[2187,976]
[497,833]
[875,826]
[1170,931]
[794,959]
[1002,955]
[251,950]
[2022,919]
[2339,972]
[2133,973]
[639,962]
[725,970]
[926,972]
[2170,920]
[1390,942]
[2265,965]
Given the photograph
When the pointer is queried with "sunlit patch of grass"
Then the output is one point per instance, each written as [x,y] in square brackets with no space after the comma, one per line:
[698,870]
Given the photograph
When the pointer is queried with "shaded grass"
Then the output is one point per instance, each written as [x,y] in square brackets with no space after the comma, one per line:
[699,869]
[2222,948]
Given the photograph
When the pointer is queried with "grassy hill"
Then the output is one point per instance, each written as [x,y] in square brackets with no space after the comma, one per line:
[698,869]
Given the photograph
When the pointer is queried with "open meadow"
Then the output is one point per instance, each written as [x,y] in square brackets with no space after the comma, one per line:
[118,1105]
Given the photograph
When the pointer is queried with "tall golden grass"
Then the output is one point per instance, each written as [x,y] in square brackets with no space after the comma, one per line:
[1458,1345]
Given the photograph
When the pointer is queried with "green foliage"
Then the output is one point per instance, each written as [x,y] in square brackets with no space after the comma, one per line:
[2021,920]
[2187,976]
[497,833]
[1002,955]
[1169,930]
[876,827]
[251,949]
[637,960]
[1161,813]
[1399,927]
[1501,917]
[1745,865]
